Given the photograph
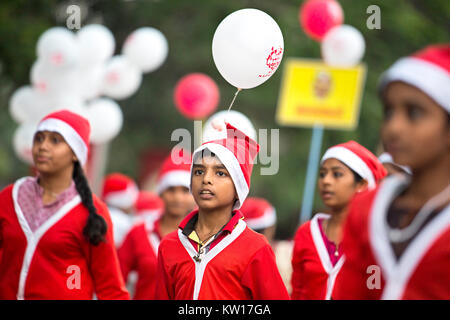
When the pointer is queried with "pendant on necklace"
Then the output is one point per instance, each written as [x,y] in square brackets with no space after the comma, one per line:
[197,257]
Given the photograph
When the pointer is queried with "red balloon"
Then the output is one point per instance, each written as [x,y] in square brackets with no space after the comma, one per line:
[318,16]
[196,96]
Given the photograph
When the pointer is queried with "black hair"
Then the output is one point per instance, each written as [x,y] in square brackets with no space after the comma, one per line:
[357,177]
[95,228]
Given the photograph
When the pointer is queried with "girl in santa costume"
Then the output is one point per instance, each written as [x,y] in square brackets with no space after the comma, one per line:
[345,169]
[55,234]
[120,193]
[213,254]
[140,248]
[397,236]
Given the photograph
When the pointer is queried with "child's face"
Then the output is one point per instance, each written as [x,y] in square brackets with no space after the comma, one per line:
[212,186]
[51,153]
[337,184]
[415,129]
[178,201]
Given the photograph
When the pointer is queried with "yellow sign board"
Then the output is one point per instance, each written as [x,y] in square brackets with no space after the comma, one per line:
[315,93]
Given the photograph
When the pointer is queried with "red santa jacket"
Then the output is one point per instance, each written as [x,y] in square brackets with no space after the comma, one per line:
[56,261]
[139,253]
[239,267]
[371,269]
[313,275]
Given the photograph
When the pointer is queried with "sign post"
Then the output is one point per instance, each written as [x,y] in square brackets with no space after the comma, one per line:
[315,95]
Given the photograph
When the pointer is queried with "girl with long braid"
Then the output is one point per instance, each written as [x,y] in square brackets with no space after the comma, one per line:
[55,235]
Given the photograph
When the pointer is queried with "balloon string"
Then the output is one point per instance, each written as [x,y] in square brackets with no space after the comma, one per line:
[234,98]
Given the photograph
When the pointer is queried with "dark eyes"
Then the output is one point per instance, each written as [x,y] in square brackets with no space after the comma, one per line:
[221,174]
[198,172]
[336,174]
[53,139]
[413,111]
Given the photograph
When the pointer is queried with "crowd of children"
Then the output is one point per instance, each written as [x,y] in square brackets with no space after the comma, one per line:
[385,233]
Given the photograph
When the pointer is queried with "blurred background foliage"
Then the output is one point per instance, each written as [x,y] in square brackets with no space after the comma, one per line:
[150,115]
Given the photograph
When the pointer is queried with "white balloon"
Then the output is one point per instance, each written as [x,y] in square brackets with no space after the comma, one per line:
[106,119]
[68,101]
[26,104]
[90,80]
[20,103]
[147,48]
[96,44]
[343,46]
[247,48]
[215,126]
[50,82]
[57,47]
[23,141]
[121,78]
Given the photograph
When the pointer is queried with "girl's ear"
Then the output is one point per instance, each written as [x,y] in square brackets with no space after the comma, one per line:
[361,185]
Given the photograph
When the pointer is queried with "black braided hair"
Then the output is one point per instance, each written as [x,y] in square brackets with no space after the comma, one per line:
[95,228]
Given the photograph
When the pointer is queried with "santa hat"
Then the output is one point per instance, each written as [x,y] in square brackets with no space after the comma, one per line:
[148,203]
[360,160]
[258,213]
[72,127]
[175,171]
[427,70]
[119,191]
[387,158]
[236,152]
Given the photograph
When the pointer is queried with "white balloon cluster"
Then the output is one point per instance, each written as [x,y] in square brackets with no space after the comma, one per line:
[78,72]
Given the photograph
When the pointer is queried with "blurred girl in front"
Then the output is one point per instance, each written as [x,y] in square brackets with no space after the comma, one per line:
[397,236]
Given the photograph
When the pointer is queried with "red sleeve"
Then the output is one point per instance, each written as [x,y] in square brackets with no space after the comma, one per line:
[127,255]
[297,266]
[163,284]
[104,264]
[262,277]
[351,283]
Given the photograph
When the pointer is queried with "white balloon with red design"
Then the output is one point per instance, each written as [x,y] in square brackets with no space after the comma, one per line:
[146,48]
[106,119]
[343,46]
[23,141]
[215,126]
[121,78]
[57,47]
[247,48]
[96,44]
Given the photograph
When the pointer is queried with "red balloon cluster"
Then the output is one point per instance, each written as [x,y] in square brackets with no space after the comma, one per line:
[317,17]
[196,96]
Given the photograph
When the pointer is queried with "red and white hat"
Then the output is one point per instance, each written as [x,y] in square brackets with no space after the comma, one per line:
[237,153]
[428,70]
[258,213]
[359,159]
[148,203]
[72,127]
[119,191]
[175,171]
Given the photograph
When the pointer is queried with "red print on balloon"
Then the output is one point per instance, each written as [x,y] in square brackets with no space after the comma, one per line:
[273,61]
